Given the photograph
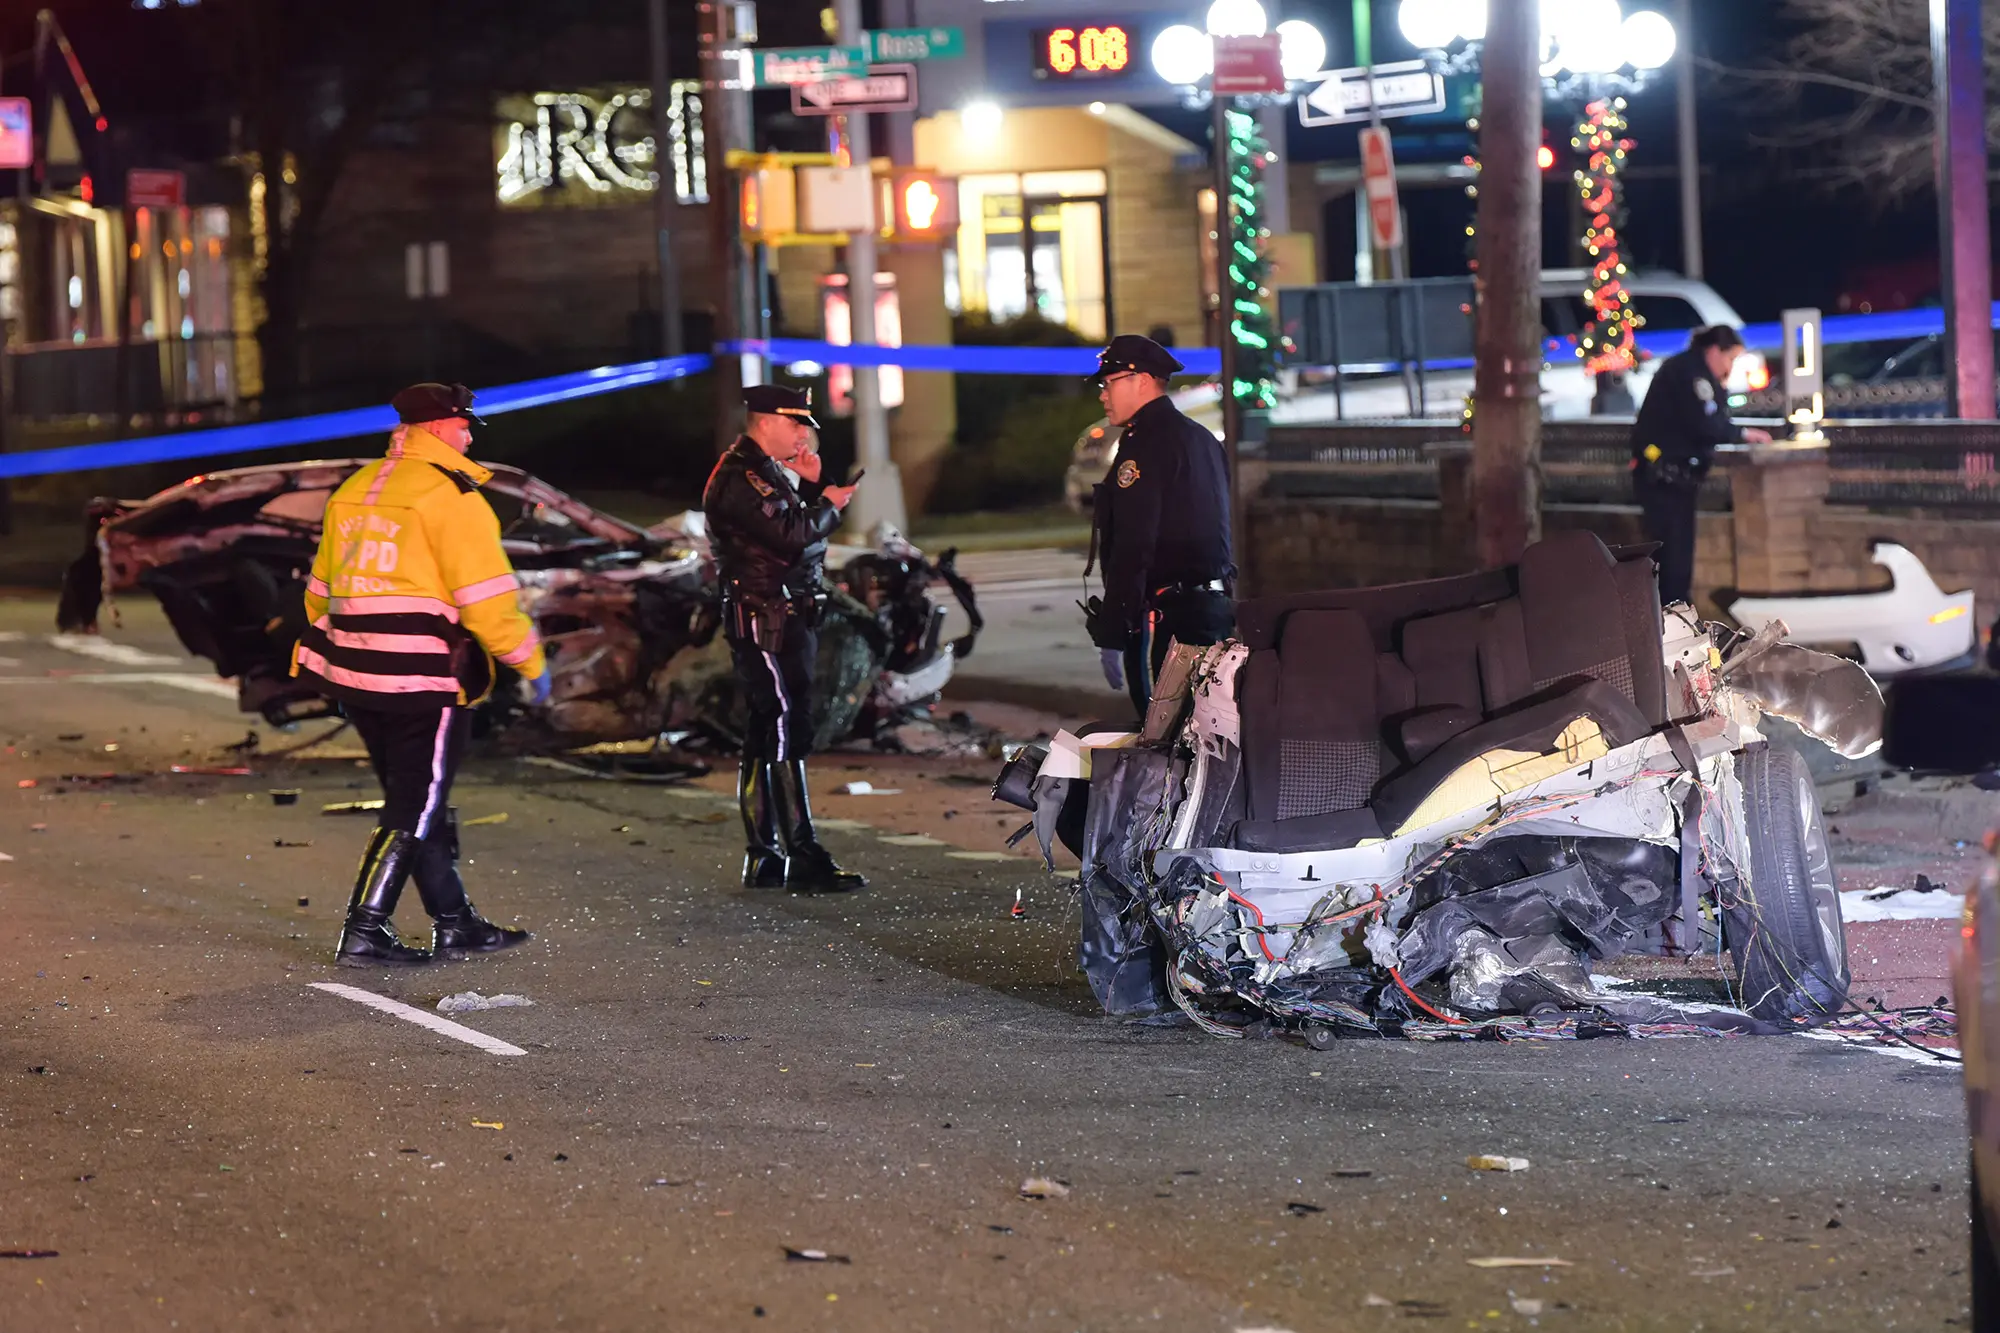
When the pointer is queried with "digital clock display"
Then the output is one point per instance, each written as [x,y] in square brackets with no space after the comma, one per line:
[1083,51]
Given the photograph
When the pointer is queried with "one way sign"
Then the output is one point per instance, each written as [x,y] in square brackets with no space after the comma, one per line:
[883,88]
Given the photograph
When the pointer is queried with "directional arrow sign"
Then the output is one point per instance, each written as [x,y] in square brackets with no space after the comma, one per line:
[1403,88]
[882,88]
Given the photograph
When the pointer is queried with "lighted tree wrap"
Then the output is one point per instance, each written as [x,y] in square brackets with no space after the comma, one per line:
[1471,163]
[1606,341]
[1247,300]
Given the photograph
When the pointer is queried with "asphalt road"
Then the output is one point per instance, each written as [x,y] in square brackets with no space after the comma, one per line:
[710,1076]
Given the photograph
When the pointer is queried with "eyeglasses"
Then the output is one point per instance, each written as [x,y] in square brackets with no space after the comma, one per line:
[1105,381]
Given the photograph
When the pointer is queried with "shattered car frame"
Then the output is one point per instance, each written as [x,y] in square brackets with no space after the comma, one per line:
[628,614]
[1429,807]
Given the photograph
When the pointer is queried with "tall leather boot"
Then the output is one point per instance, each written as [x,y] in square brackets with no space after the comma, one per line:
[763,862]
[368,940]
[809,867]
[457,929]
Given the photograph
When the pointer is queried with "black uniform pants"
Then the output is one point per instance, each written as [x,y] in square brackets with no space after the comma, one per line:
[1669,512]
[415,757]
[1197,617]
[778,686]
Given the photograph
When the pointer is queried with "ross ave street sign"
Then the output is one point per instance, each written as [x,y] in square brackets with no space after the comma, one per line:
[782,66]
[882,88]
[894,45]
[1402,88]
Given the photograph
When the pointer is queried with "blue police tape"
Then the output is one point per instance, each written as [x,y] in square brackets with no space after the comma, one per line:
[1078,361]
[338,425]
[1885,326]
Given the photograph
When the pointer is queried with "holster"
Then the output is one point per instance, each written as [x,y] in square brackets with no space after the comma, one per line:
[756,620]
[1672,474]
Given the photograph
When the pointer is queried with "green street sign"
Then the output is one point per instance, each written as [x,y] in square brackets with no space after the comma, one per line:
[783,66]
[888,45]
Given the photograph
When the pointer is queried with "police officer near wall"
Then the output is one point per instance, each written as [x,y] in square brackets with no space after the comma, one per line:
[1685,415]
[769,540]
[410,603]
[1160,521]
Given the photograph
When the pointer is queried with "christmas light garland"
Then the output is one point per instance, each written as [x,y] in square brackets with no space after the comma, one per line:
[1605,343]
[1247,302]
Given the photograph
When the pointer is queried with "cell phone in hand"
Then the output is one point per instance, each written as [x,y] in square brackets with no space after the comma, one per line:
[859,473]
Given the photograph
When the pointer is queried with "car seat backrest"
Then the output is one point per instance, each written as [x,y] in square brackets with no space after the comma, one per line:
[1639,594]
[1395,685]
[1329,738]
[1442,653]
[1572,613]
[1504,674]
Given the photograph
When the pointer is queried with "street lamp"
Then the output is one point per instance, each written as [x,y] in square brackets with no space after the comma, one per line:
[1587,39]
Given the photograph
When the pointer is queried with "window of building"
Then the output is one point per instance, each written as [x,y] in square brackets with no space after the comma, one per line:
[1032,241]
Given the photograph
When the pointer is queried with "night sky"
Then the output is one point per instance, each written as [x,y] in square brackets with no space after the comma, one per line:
[1770,239]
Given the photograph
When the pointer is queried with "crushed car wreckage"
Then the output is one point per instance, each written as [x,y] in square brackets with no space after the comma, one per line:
[628,614]
[1425,809]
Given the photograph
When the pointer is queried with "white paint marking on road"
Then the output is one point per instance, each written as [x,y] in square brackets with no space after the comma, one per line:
[979,856]
[1867,1042]
[911,840]
[180,680]
[104,650]
[397,1009]
[12,636]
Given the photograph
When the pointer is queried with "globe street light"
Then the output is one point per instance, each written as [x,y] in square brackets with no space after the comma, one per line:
[1184,55]
[1580,38]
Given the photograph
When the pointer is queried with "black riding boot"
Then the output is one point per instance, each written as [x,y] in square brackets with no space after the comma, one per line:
[457,928]
[809,867]
[368,940]
[763,862]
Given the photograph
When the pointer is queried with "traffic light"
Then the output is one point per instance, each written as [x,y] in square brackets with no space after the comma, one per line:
[1545,156]
[924,205]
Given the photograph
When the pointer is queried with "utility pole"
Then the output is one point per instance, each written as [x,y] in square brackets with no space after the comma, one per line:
[726,119]
[1507,407]
[665,196]
[1957,76]
[1364,56]
[1688,147]
[880,498]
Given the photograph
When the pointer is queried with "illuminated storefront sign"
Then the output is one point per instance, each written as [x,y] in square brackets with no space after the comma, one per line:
[598,146]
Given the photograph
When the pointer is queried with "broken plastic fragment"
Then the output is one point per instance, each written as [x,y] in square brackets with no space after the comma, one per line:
[1500,1262]
[1038,1187]
[352,807]
[499,818]
[472,1001]
[814,1257]
[1493,1163]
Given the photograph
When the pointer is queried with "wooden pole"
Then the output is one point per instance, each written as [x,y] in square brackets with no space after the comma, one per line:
[1507,410]
[1959,82]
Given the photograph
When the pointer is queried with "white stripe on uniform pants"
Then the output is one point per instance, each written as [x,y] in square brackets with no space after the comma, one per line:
[440,778]
[784,706]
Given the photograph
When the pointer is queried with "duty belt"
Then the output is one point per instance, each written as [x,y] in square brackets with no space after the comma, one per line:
[1213,585]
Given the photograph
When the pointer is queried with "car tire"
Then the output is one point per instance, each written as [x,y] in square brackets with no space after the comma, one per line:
[1985,1263]
[1783,927]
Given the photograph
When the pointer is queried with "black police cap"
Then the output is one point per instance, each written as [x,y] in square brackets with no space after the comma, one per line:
[1132,351]
[776,400]
[433,402]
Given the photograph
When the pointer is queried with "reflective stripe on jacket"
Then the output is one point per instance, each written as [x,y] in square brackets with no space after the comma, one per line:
[411,595]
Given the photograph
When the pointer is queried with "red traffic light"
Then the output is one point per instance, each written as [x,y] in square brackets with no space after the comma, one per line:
[1545,157]
[926,204]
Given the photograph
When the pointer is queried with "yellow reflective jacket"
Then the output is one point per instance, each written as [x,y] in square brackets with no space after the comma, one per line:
[411,595]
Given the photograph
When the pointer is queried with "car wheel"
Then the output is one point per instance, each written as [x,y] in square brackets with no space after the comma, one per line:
[1783,926]
[1985,1264]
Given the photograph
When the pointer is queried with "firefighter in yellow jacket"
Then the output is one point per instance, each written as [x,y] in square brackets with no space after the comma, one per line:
[410,602]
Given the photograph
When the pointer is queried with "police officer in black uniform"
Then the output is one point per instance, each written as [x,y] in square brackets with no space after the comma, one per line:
[769,541]
[1161,522]
[1685,415]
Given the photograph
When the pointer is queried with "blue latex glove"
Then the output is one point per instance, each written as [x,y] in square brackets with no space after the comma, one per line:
[1113,662]
[540,689]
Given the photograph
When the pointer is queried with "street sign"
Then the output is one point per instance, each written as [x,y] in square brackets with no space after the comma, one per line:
[891,45]
[146,188]
[1402,88]
[17,137]
[1247,66]
[1378,176]
[782,66]
[882,88]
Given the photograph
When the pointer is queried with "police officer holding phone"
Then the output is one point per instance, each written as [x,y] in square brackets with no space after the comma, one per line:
[1161,520]
[1685,415]
[769,541]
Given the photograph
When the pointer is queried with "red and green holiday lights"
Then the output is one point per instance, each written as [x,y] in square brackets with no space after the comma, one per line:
[1246,238]
[1606,341]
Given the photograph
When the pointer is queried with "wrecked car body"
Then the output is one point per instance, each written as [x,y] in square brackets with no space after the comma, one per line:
[1427,809]
[628,614]
[1910,626]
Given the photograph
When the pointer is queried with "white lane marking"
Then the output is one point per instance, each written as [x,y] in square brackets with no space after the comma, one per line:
[397,1009]
[180,680]
[12,636]
[1868,1042]
[104,650]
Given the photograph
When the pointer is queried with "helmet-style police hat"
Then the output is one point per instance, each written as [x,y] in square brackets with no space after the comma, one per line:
[433,402]
[779,401]
[1131,351]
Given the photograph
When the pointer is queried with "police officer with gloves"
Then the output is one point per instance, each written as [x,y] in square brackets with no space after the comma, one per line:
[410,603]
[769,539]
[1685,415]
[1161,520]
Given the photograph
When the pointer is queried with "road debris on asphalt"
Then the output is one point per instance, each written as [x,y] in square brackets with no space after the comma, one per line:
[471,1001]
[1489,1162]
[1522,1262]
[489,1124]
[814,1256]
[281,842]
[865,788]
[1038,1187]
[30,1254]
[1303,1209]
[353,807]
[206,771]
[285,796]
[1922,902]
[499,817]
[1522,1306]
